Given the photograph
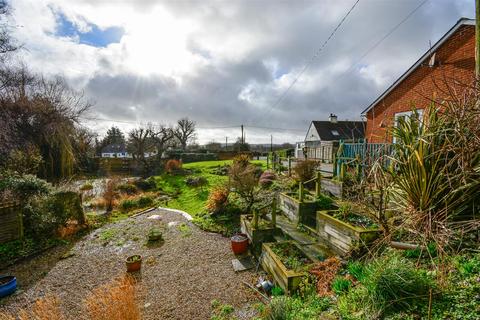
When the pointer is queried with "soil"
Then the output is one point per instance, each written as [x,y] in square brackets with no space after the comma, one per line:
[290,255]
[178,280]
[356,220]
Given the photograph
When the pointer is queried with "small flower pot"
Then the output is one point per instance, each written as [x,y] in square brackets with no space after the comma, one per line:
[8,285]
[239,243]
[134,263]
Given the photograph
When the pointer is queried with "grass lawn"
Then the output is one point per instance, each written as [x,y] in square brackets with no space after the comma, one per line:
[192,200]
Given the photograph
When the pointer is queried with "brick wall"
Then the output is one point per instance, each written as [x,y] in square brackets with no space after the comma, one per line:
[455,60]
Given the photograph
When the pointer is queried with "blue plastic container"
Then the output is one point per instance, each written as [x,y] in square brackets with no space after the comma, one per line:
[8,285]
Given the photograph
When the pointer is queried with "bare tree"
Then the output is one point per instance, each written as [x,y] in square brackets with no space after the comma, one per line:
[141,141]
[184,131]
[7,43]
[162,135]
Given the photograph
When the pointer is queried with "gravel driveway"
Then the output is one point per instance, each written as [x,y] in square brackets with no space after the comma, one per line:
[179,279]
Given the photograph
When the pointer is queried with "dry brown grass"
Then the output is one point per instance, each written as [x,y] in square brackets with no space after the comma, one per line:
[114,301]
[47,308]
[325,272]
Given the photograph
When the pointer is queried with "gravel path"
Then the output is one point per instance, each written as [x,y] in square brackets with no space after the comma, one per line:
[179,279]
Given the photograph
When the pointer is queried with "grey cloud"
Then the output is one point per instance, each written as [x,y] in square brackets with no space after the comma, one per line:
[289,32]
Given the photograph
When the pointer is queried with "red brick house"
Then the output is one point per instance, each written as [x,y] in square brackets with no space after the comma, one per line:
[452,58]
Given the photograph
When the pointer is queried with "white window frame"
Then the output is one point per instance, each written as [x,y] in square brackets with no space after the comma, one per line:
[407,114]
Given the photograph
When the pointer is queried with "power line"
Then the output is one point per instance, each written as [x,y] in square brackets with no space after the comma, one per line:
[317,53]
[388,34]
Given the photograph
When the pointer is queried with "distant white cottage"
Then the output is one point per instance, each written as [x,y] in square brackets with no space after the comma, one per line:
[322,138]
[115,151]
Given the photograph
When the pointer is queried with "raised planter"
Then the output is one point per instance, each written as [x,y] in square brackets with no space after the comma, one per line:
[285,278]
[298,212]
[342,237]
[266,232]
[8,285]
[332,187]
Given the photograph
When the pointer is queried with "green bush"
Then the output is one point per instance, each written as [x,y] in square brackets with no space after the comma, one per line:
[144,201]
[25,186]
[296,308]
[146,184]
[277,291]
[141,202]
[42,216]
[388,284]
[127,205]
[324,202]
[127,188]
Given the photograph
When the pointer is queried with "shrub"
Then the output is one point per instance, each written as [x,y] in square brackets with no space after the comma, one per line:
[127,204]
[389,284]
[146,184]
[47,308]
[196,181]
[127,188]
[244,182]
[43,216]
[277,291]
[26,186]
[110,193]
[217,199]
[324,202]
[340,285]
[173,165]
[242,160]
[305,170]
[267,178]
[144,201]
[115,300]
[284,307]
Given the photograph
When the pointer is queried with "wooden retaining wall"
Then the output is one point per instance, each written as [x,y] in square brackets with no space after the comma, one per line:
[340,236]
[11,224]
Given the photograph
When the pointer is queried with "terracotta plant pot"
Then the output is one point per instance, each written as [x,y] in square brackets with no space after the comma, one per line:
[134,263]
[239,243]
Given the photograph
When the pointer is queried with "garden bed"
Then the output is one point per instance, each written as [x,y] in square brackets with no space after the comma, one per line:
[342,237]
[332,187]
[286,262]
[265,232]
[296,211]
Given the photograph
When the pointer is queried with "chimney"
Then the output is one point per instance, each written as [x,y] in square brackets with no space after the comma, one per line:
[332,118]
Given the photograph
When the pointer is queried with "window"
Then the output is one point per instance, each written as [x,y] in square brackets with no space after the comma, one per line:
[335,133]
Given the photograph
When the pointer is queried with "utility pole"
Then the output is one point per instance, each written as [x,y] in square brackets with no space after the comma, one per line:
[226,143]
[477,39]
[271,143]
[242,134]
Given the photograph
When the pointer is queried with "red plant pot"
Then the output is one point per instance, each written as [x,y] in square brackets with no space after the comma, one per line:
[239,243]
[133,266]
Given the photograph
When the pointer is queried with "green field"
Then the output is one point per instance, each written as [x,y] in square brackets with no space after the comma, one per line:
[192,200]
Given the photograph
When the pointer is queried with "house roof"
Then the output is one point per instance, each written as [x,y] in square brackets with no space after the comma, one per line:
[114,148]
[461,22]
[340,130]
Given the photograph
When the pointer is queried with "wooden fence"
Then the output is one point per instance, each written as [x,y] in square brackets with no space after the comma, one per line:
[11,224]
[361,156]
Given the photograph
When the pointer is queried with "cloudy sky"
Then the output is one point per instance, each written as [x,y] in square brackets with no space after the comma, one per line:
[226,63]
